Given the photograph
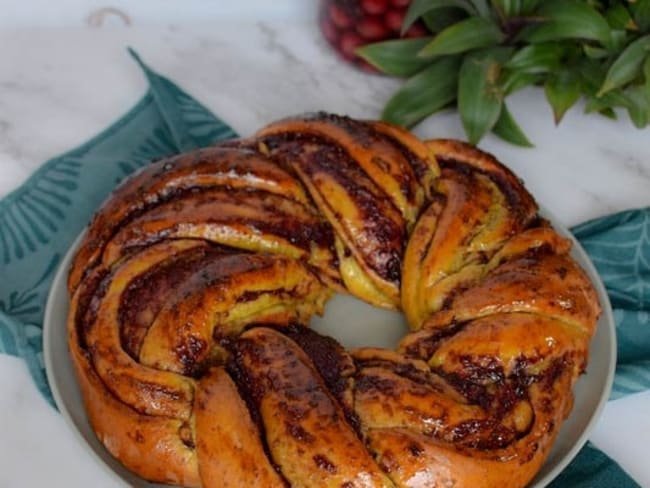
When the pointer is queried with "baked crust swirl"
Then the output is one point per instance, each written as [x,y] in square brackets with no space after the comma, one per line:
[193,287]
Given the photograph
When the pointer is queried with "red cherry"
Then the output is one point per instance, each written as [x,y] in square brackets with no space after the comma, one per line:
[400,3]
[393,19]
[329,30]
[416,30]
[339,16]
[348,43]
[374,7]
[372,28]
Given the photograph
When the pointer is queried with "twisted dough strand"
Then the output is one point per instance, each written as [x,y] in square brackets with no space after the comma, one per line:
[192,288]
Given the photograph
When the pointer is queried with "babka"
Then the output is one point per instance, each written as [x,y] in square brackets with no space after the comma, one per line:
[193,288]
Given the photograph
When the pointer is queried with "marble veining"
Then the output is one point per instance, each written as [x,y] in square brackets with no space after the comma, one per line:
[630,162]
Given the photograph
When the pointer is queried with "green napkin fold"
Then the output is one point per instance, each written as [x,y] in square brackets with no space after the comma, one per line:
[619,247]
[40,220]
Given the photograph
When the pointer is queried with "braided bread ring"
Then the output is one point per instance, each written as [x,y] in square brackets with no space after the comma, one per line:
[193,286]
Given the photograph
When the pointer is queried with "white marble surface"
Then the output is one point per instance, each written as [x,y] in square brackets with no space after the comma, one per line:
[65,74]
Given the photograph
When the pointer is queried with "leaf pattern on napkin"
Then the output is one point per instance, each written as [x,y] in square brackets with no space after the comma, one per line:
[32,215]
[40,220]
[620,249]
[619,246]
[25,304]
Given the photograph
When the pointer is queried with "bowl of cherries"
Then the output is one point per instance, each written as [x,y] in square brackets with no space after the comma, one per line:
[350,24]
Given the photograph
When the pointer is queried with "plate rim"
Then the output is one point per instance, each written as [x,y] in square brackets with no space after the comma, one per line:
[59,277]
[607,317]
[578,252]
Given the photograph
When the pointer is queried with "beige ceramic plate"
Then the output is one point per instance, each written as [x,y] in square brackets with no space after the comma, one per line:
[354,324]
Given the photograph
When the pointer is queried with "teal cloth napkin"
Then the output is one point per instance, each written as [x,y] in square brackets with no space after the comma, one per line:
[40,220]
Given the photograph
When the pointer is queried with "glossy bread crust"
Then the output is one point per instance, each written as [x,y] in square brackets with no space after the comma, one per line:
[194,285]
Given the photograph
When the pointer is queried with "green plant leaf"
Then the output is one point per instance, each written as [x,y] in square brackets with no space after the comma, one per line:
[640,96]
[537,58]
[471,33]
[627,66]
[515,8]
[482,8]
[619,17]
[562,92]
[616,98]
[442,18]
[418,8]
[430,90]
[591,75]
[641,14]
[529,6]
[507,129]
[618,39]
[480,96]
[591,79]
[593,52]
[396,57]
[608,113]
[596,105]
[607,102]
[507,8]
[639,106]
[567,19]
[516,80]
[596,48]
